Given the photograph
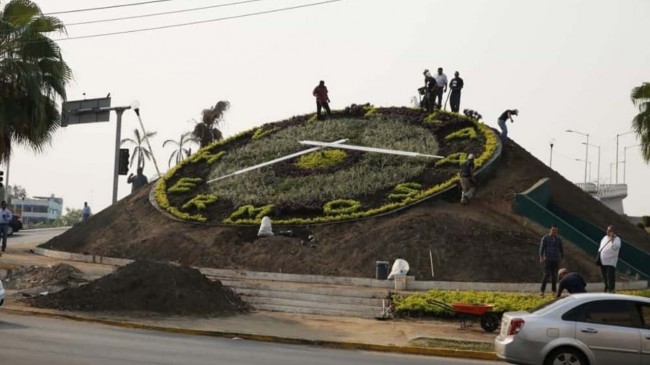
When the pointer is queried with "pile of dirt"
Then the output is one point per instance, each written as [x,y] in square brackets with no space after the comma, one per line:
[148,286]
[483,241]
[36,279]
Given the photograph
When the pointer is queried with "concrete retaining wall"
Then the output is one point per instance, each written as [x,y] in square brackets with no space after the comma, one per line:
[411,285]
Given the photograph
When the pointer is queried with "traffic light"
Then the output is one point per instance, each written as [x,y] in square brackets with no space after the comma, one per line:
[123,167]
[2,178]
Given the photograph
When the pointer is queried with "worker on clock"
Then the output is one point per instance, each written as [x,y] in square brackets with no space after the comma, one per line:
[322,100]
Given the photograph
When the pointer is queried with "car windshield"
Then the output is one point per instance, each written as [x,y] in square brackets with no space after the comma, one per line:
[549,306]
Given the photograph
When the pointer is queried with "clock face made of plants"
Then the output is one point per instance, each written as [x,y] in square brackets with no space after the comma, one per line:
[275,171]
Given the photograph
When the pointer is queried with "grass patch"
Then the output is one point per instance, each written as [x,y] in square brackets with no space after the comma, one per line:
[443,343]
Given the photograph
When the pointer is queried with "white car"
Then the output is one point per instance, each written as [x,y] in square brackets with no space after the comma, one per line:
[580,329]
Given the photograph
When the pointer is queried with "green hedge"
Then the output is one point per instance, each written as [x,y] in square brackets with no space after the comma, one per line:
[503,302]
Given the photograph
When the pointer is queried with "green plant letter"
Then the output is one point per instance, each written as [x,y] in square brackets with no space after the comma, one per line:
[454,159]
[207,156]
[185,184]
[468,132]
[341,206]
[250,211]
[405,190]
[200,201]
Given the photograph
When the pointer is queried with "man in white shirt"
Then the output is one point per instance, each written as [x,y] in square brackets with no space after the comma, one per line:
[441,81]
[5,219]
[608,251]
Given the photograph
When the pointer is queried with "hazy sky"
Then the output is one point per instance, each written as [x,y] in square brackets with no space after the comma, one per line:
[564,64]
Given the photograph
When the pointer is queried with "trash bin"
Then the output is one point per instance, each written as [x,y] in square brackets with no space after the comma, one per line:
[382,270]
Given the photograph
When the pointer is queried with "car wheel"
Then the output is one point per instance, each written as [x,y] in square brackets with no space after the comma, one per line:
[566,356]
[10,230]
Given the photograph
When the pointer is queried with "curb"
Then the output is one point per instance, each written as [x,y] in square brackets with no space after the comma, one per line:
[412,350]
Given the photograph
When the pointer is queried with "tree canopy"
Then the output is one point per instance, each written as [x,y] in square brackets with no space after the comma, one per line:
[641,123]
[33,76]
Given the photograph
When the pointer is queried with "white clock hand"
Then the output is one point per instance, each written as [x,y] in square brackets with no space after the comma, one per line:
[267,163]
[368,149]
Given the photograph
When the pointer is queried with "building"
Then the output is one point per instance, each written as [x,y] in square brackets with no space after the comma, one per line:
[38,209]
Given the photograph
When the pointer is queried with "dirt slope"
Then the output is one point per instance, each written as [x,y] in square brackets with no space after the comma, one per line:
[483,241]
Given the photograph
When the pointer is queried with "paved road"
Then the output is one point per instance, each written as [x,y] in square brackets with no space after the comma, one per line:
[30,340]
[21,242]
[24,240]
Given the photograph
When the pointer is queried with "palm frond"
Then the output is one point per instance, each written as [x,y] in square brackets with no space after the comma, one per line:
[640,93]
[640,96]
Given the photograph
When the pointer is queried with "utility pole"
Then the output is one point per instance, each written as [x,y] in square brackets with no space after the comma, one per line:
[91,111]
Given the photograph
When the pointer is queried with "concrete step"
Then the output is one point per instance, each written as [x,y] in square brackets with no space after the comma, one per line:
[329,298]
[308,298]
[316,311]
[254,300]
[338,290]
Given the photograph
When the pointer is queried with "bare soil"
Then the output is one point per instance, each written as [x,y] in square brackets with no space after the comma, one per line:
[33,280]
[483,241]
[150,287]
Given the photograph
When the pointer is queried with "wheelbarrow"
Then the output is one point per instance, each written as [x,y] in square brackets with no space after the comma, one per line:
[469,313]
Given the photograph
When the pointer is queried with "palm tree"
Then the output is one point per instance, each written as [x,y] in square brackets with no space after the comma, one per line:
[33,76]
[140,150]
[641,123]
[180,153]
[207,130]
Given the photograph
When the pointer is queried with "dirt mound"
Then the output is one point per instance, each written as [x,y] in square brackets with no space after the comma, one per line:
[148,286]
[35,279]
[483,241]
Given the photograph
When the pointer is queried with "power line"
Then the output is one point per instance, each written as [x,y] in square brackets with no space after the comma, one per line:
[162,13]
[197,22]
[107,7]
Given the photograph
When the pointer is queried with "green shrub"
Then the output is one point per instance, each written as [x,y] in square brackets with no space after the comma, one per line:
[502,302]
[646,220]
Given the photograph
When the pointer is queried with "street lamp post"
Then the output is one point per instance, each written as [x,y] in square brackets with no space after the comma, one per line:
[551,143]
[593,145]
[625,159]
[589,164]
[586,149]
[136,107]
[118,131]
[619,135]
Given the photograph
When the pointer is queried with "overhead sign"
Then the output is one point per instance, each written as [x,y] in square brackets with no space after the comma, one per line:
[85,111]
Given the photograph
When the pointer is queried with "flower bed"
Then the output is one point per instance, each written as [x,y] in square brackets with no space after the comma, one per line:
[326,185]
[420,304]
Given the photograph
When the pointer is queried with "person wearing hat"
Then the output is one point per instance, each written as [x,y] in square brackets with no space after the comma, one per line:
[322,99]
[502,122]
[571,281]
[467,179]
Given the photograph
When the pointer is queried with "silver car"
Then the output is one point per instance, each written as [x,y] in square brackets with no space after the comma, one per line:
[580,329]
